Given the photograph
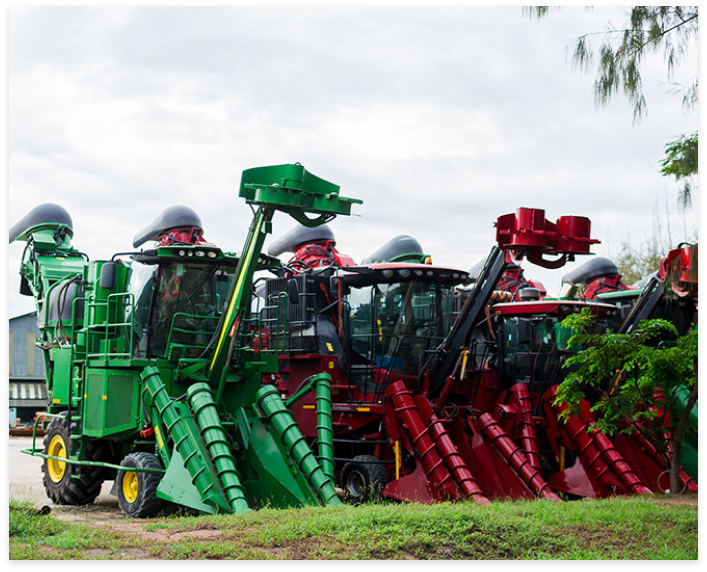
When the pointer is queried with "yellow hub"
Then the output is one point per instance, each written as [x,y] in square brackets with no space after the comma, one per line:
[56,468]
[130,486]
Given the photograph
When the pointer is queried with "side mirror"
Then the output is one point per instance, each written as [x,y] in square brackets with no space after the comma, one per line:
[293,291]
[108,276]
[25,290]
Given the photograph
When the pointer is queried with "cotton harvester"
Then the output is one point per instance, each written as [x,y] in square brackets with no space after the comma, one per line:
[433,402]
[153,376]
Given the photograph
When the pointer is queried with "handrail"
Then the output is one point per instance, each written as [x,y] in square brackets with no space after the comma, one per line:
[101,332]
[170,346]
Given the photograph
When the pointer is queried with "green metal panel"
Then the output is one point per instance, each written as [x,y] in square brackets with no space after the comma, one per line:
[110,402]
[294,190]
[272,479]
[61,374]
[688,451]
[176,486]
[93,402]
[121,412]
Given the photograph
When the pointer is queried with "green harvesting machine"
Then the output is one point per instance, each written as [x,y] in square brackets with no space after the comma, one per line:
[154,366]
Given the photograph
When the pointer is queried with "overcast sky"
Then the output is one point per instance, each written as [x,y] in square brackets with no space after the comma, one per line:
[440,119]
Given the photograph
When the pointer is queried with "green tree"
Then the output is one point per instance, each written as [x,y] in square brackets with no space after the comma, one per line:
[672,30]
[637,378]
[637,263]
[681,162]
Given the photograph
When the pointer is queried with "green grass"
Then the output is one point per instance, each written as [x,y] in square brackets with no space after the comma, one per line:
[37,536]
[622,528]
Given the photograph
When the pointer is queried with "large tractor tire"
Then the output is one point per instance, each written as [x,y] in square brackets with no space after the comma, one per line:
[363,479]
[137,492]
[67,484]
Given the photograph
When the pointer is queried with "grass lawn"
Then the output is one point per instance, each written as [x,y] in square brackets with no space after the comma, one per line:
[621,528]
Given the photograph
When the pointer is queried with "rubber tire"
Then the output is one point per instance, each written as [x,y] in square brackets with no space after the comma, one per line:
[146,503]
[73,490]
[364,479]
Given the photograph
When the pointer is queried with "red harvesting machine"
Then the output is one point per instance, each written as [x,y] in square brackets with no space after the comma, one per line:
[441,390]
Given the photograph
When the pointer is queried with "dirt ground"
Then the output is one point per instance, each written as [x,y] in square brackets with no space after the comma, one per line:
[25,480]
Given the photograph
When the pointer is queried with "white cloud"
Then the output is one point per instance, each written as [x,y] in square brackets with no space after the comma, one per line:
[441,119]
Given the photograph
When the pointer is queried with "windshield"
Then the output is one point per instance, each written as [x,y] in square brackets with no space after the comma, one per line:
[188,300]
[390,325]
[531,347]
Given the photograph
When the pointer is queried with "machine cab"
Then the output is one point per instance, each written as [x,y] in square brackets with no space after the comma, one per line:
[178,288]
[380,321]
[533,342]
[178,301]
[394,315]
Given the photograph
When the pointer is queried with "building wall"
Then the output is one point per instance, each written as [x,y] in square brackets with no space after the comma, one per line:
[27,388]
[26,361]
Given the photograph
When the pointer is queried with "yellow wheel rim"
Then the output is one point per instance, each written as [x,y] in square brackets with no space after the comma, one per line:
[57,448]
[130,486]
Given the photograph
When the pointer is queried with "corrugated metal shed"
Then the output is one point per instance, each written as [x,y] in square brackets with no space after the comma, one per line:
[28,394]
[27,386]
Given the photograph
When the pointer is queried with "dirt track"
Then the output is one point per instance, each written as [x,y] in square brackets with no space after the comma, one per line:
[25,476]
